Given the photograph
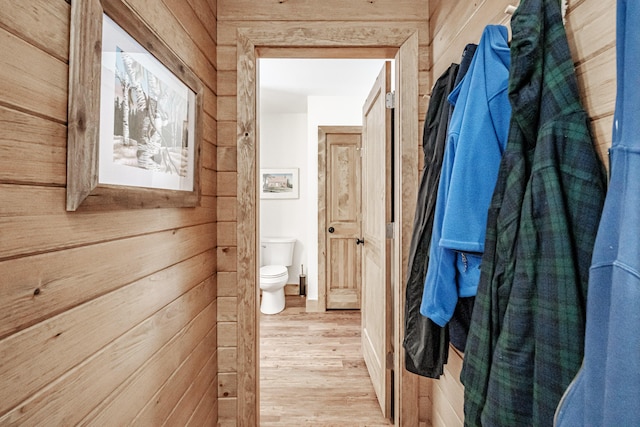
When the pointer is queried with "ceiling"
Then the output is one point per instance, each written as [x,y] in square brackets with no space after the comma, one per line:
[285,84]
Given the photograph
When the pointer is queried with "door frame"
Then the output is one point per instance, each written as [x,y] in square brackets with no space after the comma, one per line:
[312,41]
[322,207]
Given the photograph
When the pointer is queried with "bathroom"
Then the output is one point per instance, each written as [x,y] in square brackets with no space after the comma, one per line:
[297,96]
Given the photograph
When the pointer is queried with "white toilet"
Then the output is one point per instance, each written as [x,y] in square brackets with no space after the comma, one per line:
[277,255]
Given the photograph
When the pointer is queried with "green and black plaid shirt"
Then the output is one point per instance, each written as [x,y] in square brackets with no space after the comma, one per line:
[527,332]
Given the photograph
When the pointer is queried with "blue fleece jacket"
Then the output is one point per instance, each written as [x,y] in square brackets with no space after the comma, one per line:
[475,142]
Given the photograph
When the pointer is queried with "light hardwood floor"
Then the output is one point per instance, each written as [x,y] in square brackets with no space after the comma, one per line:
[312,372]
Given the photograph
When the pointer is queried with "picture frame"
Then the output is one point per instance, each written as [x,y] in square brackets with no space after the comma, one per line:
[279,183]
[134,116]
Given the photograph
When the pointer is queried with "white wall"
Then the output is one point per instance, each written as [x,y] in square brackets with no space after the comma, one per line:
[283,144]
[323,111]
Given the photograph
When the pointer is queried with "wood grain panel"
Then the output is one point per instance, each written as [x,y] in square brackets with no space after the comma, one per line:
[227,336]
[87,384]
[425,400]
[167,397]
[331,10]
[597,78]
[27,206]
[209,158]
[43,142]
[227,235]
[227,286]
[591,28]
[323,52]
[43,23]
[71,335]
[33,80]
[227,309]
[227,408]
[227,134]
[226,209]
[335,34]
[201,411]
[463,25]
[209,179]
[227,359]
[121,407]
[227,385]
[163,22]
[227,159]
[210,103]
[227,182]
[406,180]
[40,286]
[82,316]
[227,58]
[227,258]
[207,16]
[226,108]
[200,389]
[183,11]
[227,83]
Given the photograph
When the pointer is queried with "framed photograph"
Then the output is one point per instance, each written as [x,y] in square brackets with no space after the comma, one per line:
[279,184]
[135,112]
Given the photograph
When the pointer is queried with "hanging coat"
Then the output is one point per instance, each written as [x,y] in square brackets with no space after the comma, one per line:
[606,392]
[426,343]
[459,324]
[476,139]
[526,338]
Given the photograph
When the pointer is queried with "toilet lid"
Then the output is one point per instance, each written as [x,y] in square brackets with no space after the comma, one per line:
[272,270]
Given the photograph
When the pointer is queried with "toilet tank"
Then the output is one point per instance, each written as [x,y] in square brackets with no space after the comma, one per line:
[277,250]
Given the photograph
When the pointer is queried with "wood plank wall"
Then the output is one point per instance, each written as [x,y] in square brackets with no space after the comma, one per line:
[270,14]
[104,317]
[591,33]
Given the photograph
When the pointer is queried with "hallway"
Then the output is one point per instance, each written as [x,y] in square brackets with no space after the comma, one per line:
[312,372]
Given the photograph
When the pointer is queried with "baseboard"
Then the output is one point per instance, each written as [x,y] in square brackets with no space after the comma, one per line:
[313,306]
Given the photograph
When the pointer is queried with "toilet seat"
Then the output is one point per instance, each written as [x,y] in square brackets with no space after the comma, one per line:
[273,271]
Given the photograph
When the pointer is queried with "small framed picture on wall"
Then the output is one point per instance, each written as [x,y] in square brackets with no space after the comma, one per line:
[279,183]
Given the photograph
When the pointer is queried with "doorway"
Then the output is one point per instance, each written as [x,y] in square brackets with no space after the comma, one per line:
[400,44]
[333,91]
[297,98]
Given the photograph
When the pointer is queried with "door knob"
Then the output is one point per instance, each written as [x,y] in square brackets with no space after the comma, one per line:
[359,241]
[331,230]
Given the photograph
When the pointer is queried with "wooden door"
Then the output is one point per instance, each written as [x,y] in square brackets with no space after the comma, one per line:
[340,184]
[376,213]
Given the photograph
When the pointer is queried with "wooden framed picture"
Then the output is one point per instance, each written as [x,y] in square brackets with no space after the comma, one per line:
[135,113]
[279,184]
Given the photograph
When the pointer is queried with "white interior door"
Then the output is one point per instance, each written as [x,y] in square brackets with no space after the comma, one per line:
[376,213]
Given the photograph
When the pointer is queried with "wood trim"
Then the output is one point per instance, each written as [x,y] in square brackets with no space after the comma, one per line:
[318,52]
[83,187]
[84,101]
[248,411]
[322,207]
[406,179]
[322,218]
[334,37]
